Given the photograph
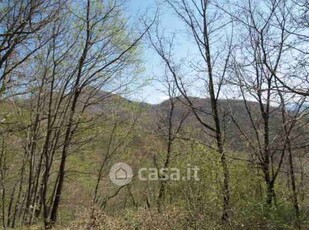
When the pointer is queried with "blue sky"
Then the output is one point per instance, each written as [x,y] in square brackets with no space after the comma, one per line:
[153,92]
[185,53]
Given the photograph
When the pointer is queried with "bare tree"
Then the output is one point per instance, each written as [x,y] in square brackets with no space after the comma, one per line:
[22,33]
[260,66]
[205,23]
[169,127]
[61,83]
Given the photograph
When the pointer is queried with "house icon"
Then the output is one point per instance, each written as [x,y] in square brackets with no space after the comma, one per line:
[121,174]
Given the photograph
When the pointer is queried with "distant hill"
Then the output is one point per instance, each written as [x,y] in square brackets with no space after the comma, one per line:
[151,115]
[228,108]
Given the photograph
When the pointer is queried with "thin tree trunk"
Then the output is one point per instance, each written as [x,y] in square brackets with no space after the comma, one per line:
[293,183]
[70,130]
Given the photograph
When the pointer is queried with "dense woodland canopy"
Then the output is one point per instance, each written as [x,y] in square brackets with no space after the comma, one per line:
[67,69]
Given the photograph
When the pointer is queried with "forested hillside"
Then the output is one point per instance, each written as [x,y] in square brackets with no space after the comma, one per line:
[82,148]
